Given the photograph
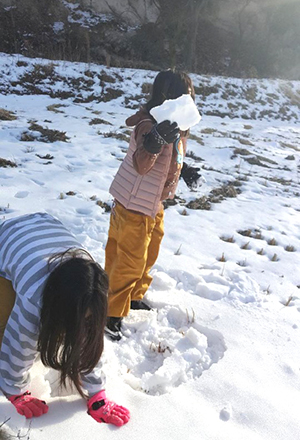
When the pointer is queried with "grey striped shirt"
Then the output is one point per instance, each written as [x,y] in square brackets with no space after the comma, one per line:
[26,243]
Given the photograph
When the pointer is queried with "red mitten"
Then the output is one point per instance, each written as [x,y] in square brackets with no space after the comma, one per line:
[104,411]
[28,406]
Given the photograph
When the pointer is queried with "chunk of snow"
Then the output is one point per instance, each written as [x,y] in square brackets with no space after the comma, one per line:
[182,110]
[162,281]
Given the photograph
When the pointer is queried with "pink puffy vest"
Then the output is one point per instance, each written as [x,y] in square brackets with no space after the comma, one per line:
[142,193]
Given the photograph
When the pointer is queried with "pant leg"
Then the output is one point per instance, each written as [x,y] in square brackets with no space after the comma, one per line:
[126,256]
[157,234]
[7,300]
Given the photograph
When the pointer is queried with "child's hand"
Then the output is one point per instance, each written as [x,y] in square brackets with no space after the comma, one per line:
[161,134]
[191,176]
[105,411]
[28,406]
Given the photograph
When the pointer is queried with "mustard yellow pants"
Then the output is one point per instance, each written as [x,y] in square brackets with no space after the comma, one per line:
[7,300]
[132,249]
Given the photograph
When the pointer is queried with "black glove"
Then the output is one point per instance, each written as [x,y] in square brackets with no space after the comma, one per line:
[161,134]
[190,175]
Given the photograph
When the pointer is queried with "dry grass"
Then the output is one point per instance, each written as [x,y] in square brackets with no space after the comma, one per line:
[184,212]
[246,246]
[290,248]
[222,259]
[97,121]
[147,88]
[202,203]
[245,142]
[103,205]
[208,130]
[242,263]
[4,163]
[241,151]
[272,242]
[253,233]
[275,258]
[178,252]
[4,434]
[228,239]
[190,319]
[193,156]
[46,134]
[261,252]
[291,94]
[292,147]
[290,299]
[6,115]
[54,108]
[279,180]
[198,139]
[116,135]
[159,348]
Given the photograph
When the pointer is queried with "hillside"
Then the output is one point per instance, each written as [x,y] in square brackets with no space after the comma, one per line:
[218,357]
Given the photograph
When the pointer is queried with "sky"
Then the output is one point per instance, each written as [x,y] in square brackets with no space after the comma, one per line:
[218,356]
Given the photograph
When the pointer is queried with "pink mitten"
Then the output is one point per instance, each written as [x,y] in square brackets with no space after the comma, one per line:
[104,411]
[28,406]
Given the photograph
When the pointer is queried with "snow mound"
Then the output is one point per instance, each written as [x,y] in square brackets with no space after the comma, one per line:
[232,287]
[161,350]
[162,281]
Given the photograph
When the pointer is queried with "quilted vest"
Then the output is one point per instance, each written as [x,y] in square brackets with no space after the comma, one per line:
[142,193]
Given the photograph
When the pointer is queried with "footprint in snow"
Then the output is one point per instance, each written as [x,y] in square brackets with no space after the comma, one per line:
[211,284]
[83,211]
[38,182]
[163,349]
[21,194]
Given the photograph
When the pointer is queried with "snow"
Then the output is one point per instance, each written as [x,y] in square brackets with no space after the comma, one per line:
[181,110]
[218,356]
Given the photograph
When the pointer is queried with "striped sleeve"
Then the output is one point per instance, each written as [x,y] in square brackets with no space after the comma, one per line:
[95,381]
[18,350]
[26,243]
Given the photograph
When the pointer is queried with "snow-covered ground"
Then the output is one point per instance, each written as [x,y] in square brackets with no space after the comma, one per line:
[218,358]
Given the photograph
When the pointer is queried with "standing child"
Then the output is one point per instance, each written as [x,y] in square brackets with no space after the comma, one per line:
[148,175]
[53,301]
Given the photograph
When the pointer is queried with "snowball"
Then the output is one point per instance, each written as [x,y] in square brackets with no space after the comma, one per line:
[40,387]
[226,413]
[182,110]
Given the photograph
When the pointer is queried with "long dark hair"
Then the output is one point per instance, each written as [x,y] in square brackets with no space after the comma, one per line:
[170,84]
[73,316]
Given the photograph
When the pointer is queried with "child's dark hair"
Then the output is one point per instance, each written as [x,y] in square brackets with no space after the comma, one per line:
[73,316]
[170,84]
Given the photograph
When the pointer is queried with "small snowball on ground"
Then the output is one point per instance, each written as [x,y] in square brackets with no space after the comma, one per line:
[226,413]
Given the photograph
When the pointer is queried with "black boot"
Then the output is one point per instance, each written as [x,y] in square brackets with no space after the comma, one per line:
[139,305]
[113,328]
